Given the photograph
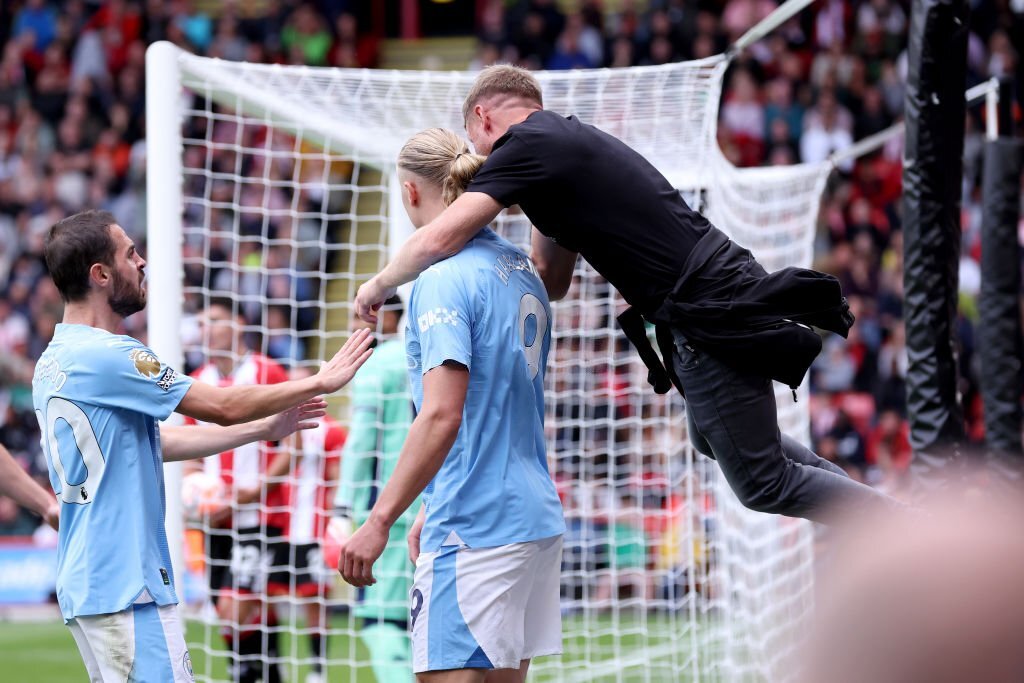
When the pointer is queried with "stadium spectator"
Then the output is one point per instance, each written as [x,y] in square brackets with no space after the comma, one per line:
[743,117]
[36,22]
[827,129]
[305,37]
[351,48]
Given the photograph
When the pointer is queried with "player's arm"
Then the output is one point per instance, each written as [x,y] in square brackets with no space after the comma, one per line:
[430,438]
[231,405]
[188,442]
[23,489]
[555,264]
[437,240]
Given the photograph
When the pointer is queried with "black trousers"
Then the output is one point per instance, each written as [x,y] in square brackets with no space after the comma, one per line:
[732,418]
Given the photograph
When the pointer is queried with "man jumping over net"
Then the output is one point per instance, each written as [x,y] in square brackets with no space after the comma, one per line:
[726,327]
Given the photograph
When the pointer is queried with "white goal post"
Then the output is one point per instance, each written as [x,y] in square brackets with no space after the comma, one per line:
[271,184]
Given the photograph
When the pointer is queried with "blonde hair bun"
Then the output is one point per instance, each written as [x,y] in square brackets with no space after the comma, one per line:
[442,158]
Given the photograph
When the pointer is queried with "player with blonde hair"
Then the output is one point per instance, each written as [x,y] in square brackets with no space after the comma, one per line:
[488,541]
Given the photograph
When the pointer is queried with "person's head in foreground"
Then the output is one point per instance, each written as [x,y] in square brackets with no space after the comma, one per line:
[935,597]
[501,96]
[92,261]
[434,166]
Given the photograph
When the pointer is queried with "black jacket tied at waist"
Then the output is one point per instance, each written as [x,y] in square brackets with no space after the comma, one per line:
[728,306]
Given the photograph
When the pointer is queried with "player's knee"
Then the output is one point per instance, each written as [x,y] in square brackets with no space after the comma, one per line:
[765,505]
[765,495]
[702,447]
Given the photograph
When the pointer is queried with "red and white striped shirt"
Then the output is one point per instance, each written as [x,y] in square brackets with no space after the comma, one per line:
[245,466]
[312,492]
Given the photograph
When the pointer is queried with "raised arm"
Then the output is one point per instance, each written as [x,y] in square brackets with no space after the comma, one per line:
[198,441]
[430,439]
[23,489]
[231,405]
[437,240]
[555,264]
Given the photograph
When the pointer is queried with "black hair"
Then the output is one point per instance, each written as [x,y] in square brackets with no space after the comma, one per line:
[394,305]
[73,246]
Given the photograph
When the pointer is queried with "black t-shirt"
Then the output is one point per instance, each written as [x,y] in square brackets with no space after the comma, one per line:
[592,194]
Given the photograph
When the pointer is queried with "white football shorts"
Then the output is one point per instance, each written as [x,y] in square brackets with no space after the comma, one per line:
[143,643]
[486,608]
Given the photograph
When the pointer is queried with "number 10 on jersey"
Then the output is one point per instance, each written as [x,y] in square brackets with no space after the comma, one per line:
[60,409]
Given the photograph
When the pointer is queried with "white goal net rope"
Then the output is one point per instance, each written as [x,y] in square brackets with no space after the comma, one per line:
[288,205]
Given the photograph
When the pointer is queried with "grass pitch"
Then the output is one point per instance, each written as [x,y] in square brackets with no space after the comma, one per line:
[624,647]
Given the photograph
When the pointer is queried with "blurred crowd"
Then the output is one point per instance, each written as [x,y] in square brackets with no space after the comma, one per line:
[72,135]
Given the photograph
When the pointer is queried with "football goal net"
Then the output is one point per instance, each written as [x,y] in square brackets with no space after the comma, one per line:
[272,188]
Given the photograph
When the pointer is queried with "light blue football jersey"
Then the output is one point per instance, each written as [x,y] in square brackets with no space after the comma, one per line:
[486,308]
[98,397]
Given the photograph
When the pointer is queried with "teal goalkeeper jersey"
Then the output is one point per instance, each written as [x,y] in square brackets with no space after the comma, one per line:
[98,397]
[381,415]
[486,308]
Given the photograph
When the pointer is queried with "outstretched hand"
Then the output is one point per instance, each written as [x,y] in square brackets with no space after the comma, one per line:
[339,370]
[370,297]
[303,416]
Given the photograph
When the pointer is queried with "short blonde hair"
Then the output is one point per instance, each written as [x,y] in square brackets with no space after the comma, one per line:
[442,158]
[502,79]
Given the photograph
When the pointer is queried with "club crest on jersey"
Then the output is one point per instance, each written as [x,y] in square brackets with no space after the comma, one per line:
[146,364]
[438,316]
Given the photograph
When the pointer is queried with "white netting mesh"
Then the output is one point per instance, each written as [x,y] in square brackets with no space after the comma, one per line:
[667,113]
[287,208]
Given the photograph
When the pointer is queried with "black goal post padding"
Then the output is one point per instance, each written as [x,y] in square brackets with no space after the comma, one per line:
[999,324]
[932,172]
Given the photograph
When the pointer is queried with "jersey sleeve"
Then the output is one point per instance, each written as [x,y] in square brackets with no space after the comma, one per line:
[509,170]
[126,374]
[442,312]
